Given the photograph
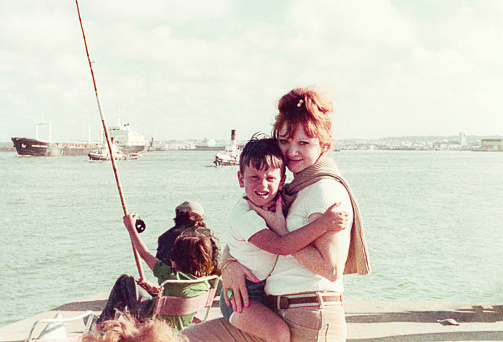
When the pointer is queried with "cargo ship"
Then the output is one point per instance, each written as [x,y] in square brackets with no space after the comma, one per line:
[125,138]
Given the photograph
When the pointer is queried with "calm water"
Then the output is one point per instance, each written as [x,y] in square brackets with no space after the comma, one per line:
[434,222]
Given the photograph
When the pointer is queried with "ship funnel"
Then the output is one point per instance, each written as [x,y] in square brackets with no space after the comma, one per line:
[234,144]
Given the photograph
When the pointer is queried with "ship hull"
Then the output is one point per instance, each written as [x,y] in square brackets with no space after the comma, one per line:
[133,149]
[32,147]
[39,148]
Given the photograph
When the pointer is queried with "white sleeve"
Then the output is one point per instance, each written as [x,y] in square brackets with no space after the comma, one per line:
[246,223]
[324,193]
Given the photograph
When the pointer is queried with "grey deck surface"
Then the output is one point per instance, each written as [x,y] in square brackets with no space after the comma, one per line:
[367,321]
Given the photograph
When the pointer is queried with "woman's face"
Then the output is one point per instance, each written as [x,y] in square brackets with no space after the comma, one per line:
[299,150]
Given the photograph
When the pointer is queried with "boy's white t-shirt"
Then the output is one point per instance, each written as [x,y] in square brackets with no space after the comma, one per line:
[244,222]
[289,276]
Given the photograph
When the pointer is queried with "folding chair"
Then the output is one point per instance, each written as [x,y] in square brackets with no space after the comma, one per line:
[177,306]
[55,329]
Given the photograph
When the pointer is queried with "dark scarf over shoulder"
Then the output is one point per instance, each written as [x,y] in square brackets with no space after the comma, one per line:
[358,258]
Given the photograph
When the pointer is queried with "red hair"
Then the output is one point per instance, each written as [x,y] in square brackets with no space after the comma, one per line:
[193,253]
[309,108]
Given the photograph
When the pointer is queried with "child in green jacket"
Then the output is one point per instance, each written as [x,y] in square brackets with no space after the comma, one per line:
[191,258]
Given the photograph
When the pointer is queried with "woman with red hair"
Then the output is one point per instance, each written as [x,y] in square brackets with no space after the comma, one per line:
[305,288]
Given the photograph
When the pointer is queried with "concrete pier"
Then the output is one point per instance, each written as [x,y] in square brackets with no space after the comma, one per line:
[367,321]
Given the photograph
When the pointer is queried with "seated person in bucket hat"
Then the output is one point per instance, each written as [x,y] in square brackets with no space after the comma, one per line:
[189,216]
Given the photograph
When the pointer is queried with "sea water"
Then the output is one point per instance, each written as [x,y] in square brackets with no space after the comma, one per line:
[433,222]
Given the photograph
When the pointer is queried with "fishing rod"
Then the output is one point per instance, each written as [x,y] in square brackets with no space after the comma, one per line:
[140,225]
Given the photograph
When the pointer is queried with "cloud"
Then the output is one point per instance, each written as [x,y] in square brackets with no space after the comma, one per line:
[156,12]
[199,69]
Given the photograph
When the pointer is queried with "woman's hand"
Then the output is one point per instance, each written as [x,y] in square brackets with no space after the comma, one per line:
[273,217]
[233,279]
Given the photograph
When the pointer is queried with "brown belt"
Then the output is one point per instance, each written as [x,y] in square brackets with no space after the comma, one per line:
[305,299]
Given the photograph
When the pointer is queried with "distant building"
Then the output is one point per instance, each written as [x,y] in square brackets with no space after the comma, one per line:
[492,144]
[462,139]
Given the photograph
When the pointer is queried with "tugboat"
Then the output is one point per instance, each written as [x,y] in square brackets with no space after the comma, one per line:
[104,154]
[229,157]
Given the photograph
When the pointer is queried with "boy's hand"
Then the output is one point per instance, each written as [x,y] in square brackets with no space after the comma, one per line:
[335,220]
[275,219]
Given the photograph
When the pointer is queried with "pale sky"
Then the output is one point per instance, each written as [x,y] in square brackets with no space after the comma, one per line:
[197,69]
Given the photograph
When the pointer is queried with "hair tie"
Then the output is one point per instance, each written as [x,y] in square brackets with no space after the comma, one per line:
[301,101]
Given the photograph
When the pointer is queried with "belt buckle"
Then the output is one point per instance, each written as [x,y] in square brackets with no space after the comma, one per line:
[283,302]
[319,298]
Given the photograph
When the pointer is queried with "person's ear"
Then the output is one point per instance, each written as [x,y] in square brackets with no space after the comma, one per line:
[325,147]
[241,179]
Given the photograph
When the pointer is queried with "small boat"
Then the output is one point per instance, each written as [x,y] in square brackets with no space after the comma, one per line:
[101,155]
[104,154]
[229,157]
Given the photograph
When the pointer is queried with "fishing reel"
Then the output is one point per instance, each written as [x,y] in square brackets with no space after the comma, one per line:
[140,225]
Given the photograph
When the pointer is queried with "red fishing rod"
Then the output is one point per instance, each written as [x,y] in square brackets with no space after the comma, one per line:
[140,225]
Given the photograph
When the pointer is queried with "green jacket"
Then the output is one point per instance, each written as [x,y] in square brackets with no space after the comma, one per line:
[164,272]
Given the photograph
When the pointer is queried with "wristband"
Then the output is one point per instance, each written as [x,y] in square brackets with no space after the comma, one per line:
[226,263]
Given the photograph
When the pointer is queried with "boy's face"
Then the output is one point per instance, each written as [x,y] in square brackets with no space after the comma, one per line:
[261,186]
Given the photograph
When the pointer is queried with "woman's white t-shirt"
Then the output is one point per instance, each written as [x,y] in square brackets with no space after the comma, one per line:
[289,276]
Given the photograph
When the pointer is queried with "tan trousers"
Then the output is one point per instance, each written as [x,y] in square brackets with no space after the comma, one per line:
[306,325]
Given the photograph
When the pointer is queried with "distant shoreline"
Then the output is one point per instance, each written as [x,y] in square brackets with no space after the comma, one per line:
[405,143]
[7,147]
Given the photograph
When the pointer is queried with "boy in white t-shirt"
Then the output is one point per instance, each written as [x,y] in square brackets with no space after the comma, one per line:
[255,245]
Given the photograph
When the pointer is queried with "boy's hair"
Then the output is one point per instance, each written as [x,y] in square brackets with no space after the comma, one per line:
[261,152]
[189,219]
[193,253]
[131,330]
